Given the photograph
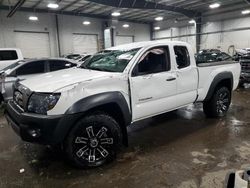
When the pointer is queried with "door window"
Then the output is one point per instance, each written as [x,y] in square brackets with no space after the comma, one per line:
[59,64]
[182,57]
[154,61]
[33,67]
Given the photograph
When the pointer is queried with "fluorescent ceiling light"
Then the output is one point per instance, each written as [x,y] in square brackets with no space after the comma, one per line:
[125,25]
[160,18]
[53,5]
[157,28]
[116,14]
[192,22]
[215,5]
[245,12]
[33,18]
[86,22]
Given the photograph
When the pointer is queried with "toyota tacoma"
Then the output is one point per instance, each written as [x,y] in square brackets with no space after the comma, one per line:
[86,109]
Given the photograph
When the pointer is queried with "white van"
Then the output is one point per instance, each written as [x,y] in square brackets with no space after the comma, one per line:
[9,56]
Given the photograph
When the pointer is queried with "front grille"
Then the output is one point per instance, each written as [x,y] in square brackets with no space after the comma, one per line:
[21,95]
[18,98]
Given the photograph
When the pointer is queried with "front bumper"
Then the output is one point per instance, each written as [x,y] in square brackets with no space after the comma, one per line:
[34,127]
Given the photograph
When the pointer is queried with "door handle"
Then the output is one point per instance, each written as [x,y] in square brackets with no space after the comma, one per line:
[170,79]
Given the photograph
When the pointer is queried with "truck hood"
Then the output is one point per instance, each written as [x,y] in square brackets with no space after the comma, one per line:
[50,82]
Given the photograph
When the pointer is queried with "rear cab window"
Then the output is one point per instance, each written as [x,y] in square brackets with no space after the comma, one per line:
[182,57]
[7,55]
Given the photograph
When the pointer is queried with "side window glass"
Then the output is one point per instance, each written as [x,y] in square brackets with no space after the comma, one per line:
[58,65]
[34,67]
[182,57]
[154,61]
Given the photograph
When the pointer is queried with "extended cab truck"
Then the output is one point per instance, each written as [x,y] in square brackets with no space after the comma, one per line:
[87,109]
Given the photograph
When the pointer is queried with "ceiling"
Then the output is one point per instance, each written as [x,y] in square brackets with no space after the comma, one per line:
[88,8]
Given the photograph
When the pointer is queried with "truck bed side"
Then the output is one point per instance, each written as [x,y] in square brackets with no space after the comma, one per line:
[208,72]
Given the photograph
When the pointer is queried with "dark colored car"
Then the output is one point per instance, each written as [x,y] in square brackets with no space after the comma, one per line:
[243,56]
[25,69]
[210,56]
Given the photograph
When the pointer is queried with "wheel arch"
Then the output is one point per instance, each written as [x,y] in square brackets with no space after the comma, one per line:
[222,79]
[111,103]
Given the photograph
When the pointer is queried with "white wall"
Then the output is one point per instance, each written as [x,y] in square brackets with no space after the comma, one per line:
[67,26]
[73,24]
[176,33]
[224,39]
[221,39]
[20,22]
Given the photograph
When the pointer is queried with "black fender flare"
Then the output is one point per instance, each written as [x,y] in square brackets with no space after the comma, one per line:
[79,109]
[217,79]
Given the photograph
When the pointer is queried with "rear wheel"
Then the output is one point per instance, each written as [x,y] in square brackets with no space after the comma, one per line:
[219,103]
[93,141]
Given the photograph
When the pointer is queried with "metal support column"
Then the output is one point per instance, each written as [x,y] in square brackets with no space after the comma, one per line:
[198,32]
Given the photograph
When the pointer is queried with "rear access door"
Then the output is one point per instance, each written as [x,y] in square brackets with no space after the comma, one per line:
[187,76]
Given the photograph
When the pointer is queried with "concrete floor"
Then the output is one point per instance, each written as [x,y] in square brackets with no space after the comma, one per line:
[178,149]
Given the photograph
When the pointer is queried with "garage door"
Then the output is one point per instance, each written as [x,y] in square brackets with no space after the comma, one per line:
[85,44]
[124,40]
[33,45]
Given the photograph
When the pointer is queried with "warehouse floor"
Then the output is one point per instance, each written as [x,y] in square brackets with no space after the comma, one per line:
[178,149]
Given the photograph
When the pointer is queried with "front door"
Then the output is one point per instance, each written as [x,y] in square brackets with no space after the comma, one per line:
[153,84]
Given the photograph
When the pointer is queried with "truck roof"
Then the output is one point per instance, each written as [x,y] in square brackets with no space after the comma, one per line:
[145,44]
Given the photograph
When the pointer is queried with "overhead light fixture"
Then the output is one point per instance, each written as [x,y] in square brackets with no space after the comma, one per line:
[176,21]
[86,22]
[157,28]
[53,5]
[160,18]
[192,22]
[33,18]
[116,14]
[215,5]
[245,12]
[125,25]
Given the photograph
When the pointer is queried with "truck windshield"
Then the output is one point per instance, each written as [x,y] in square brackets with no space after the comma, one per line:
[110,60]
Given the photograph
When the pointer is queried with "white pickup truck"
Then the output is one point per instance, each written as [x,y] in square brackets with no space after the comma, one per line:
[9,56]
[87,109]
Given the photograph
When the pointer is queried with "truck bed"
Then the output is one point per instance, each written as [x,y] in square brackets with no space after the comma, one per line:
[208,71]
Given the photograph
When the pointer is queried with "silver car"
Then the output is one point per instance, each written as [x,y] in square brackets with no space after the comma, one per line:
[24,69]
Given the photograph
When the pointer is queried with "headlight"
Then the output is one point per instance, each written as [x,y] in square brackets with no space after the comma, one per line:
[40,103]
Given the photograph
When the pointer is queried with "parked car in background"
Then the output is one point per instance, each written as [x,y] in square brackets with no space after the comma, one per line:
[83,58]
[72,56]
[89,113]
[243,56]
[9,56]
[24,69]
[209,56]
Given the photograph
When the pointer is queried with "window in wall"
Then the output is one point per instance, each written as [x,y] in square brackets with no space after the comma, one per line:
[6,55]
[33,67]
[154,61]
[182,57]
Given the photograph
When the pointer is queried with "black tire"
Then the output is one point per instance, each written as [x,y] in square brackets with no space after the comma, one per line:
[93,141]
[219,103]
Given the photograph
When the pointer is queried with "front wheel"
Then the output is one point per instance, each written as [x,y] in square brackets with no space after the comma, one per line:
[219,103]
[93,141]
